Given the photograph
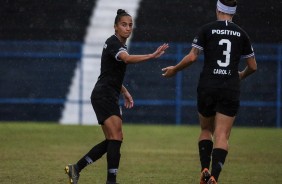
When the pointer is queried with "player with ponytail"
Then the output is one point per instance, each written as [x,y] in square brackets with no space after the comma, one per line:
[105,97]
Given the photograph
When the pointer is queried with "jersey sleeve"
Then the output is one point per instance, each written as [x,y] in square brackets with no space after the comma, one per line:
[115,49]
[248,50]
[198,41]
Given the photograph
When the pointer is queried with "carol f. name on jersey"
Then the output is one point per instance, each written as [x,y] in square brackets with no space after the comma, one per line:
[219,71]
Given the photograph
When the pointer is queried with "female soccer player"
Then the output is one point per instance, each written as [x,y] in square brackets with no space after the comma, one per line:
[223,43]
[105,96]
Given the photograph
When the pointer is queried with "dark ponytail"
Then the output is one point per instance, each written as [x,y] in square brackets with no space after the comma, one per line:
[120,13]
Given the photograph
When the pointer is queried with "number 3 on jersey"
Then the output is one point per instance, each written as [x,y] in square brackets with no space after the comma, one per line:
[225,52]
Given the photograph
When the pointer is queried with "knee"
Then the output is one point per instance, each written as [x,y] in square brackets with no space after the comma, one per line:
[220,137]
[205,134]
[116,136]
[221,140]
[207,130]
[120,136]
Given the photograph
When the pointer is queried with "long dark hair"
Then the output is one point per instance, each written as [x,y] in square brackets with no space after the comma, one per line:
[120,13]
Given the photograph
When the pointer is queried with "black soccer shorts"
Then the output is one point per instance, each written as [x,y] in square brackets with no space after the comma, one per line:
[105,107]
[212,100]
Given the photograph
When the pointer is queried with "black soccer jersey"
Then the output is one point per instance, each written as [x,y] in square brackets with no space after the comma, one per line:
[223,44]
[112,70]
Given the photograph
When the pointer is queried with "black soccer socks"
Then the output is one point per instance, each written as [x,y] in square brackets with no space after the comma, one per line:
[113,158]
[205,151]
[94,154]
[218,159]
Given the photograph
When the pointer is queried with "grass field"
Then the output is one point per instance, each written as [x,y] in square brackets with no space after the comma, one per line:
[36,153]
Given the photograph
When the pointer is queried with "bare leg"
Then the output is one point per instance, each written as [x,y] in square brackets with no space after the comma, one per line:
[223,125]
[112,128]
[207,127]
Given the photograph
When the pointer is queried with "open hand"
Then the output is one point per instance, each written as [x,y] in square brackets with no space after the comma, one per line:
[160,51]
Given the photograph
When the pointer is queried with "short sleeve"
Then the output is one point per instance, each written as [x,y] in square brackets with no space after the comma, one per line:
[248,50]
[198,40]
[115,48]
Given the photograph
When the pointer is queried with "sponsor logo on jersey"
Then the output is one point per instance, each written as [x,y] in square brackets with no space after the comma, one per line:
[226,32]
[195,40]
[105,46]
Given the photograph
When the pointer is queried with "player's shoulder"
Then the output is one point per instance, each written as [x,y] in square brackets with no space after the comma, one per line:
[112,39]
[224,25]
[112,43]
[210,24]
[236,27]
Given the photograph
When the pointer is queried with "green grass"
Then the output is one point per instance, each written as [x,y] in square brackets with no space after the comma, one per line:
[37,153]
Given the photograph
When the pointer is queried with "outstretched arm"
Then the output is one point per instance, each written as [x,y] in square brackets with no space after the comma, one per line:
[124,56]
[185,62]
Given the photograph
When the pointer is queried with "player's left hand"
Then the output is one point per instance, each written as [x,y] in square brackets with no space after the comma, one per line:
[169,71]
[128,100]
[160,50]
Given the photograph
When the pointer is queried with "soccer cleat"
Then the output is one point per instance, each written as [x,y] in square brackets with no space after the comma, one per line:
[205,176]
[211,180]
[72,173]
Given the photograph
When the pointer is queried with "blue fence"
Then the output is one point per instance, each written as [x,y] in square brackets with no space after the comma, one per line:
[263,91]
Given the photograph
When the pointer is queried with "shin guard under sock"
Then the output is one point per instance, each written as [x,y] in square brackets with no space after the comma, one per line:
[94,154]
[218,159]
[205,150]
[113,158]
